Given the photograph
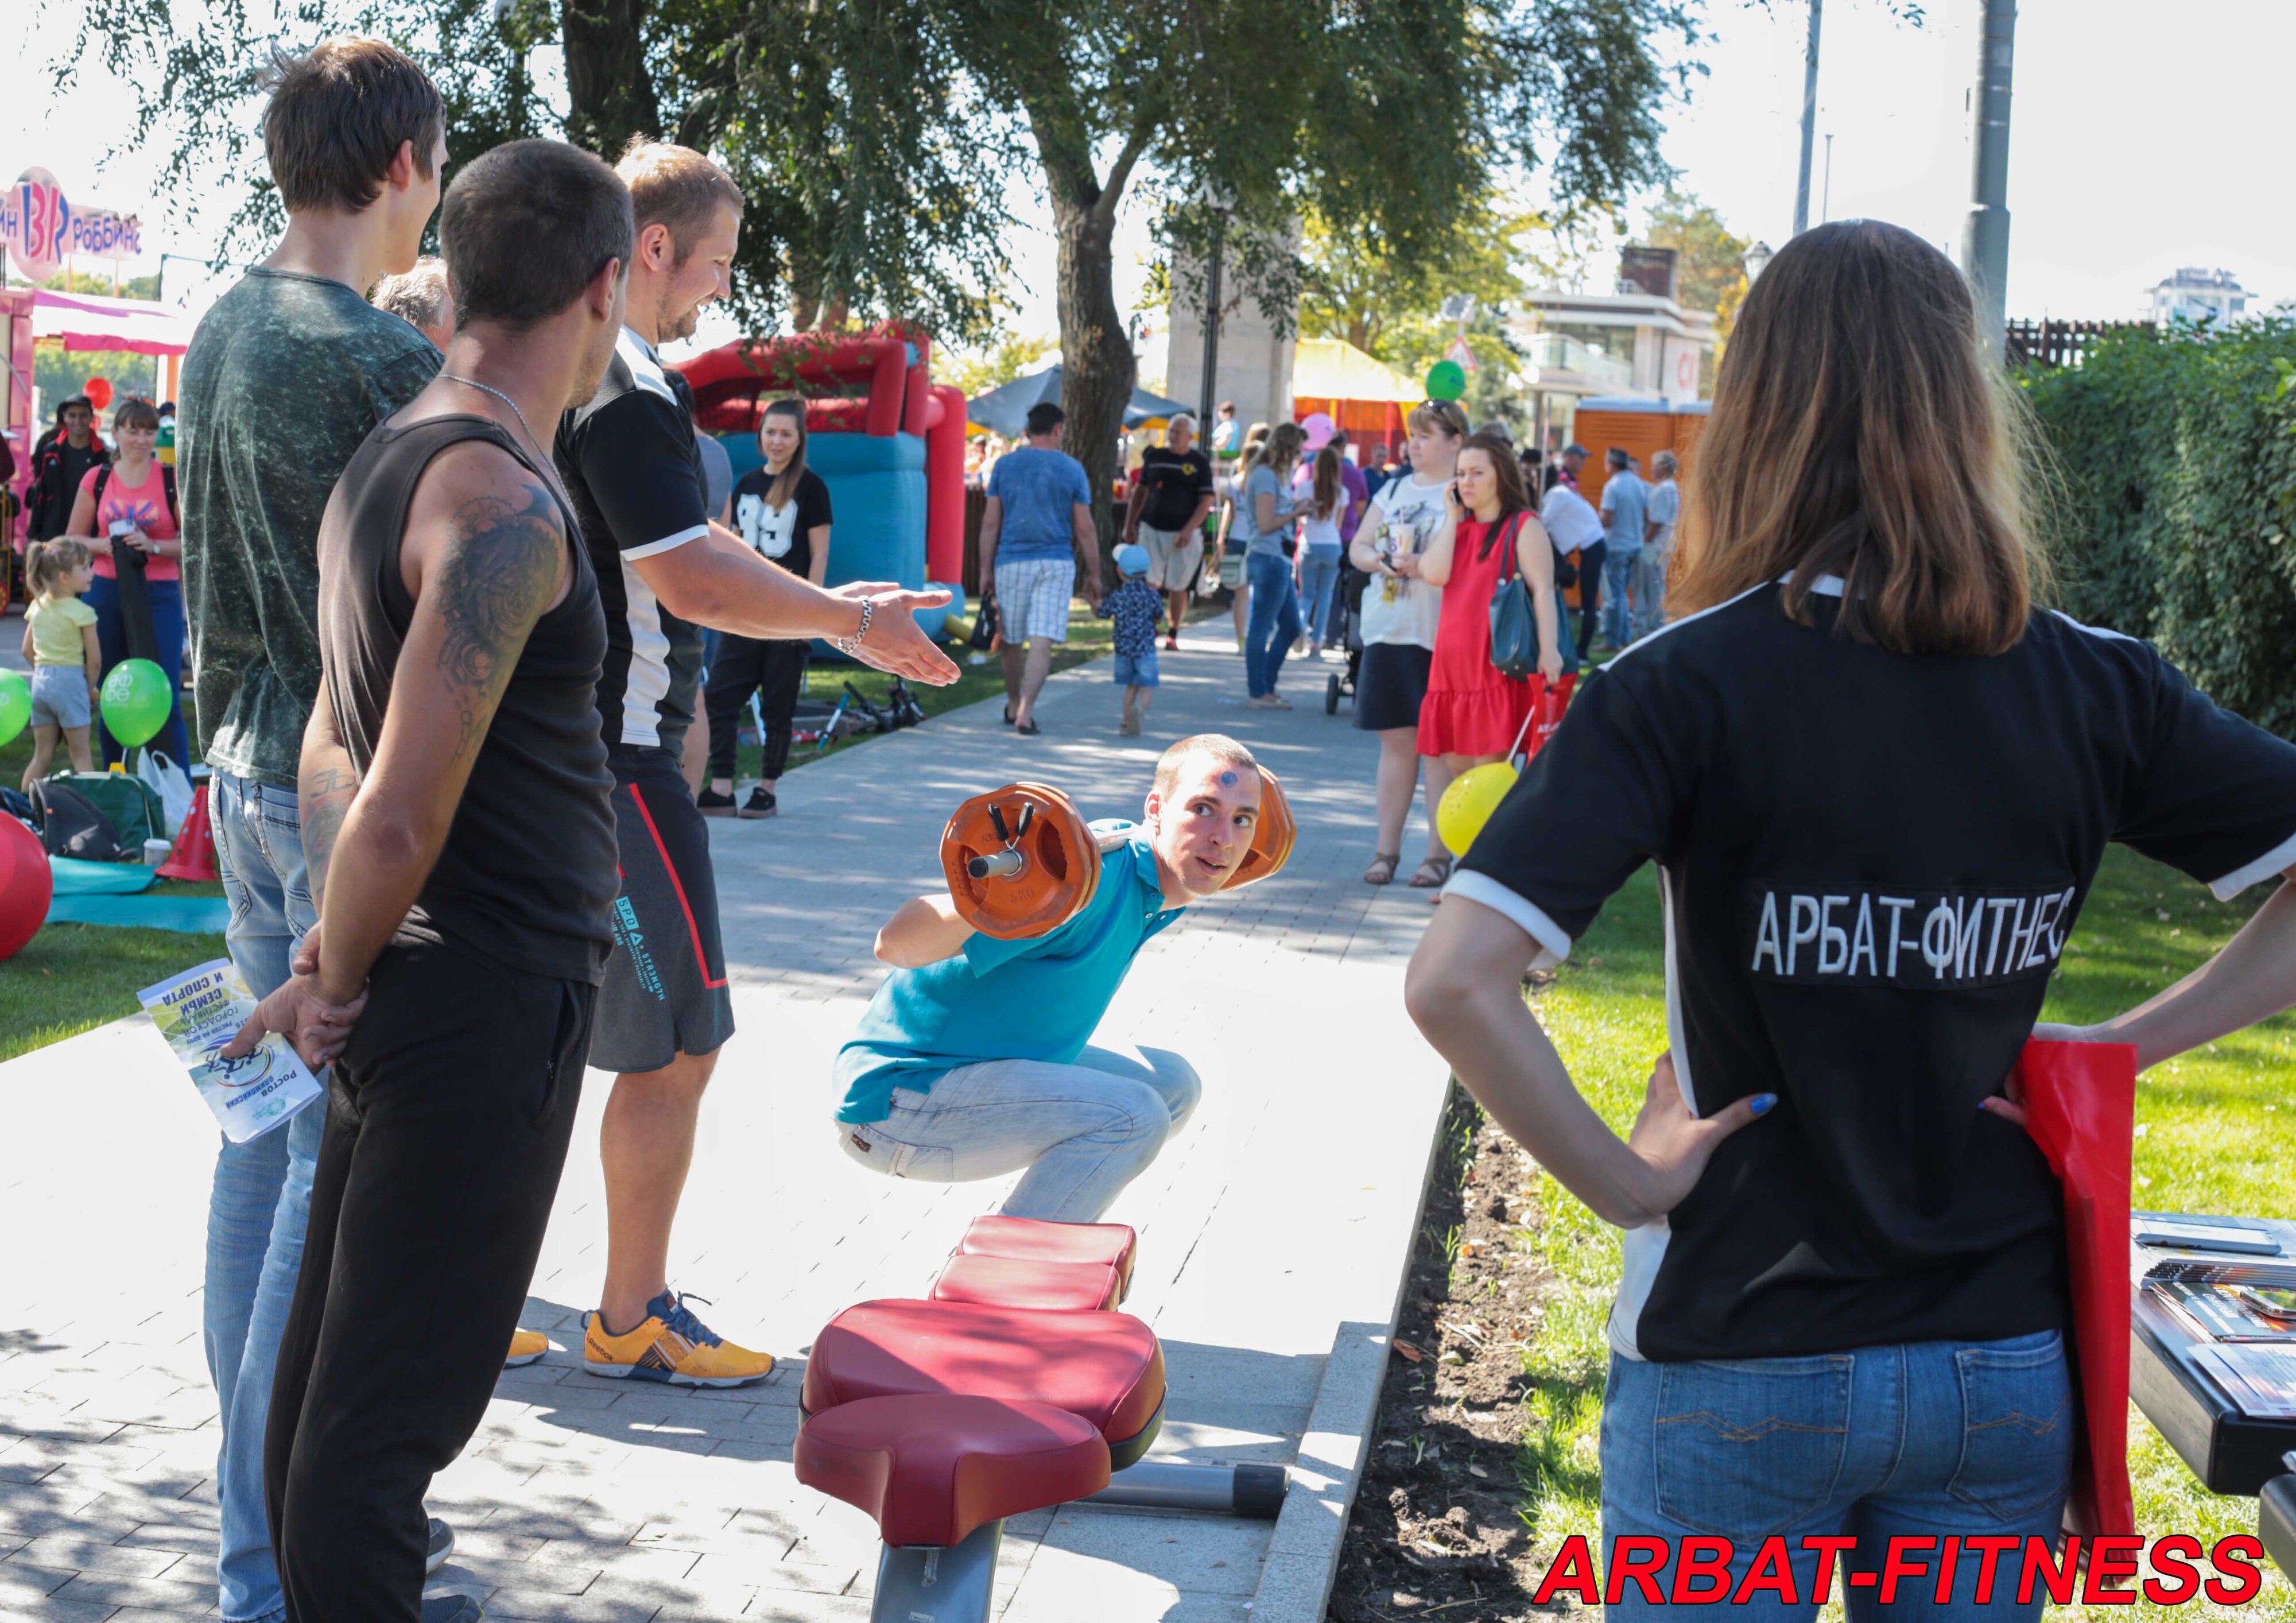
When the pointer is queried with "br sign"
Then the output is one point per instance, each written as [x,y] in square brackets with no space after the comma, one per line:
[42,228]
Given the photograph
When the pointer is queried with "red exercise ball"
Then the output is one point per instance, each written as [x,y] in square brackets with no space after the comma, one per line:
[25,885]
[99,392]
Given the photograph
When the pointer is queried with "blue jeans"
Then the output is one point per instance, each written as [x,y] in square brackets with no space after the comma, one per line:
[1617,577]
[1083,1131]
[166,598]
[1921,1443]
[1319,578]
[1274,623]
[262,1196]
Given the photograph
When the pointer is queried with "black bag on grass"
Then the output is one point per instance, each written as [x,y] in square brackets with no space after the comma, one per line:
[73,825]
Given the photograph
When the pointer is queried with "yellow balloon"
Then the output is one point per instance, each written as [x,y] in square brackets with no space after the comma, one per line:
[1470,801]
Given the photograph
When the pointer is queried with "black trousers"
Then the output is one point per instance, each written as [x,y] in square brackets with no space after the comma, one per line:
[1590,596]
[447,1121]
[776,672]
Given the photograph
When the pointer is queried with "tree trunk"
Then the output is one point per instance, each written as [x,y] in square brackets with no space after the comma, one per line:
[608,91]
[1097,365]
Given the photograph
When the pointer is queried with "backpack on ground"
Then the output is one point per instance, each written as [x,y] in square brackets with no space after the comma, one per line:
[72,825]
[132,807]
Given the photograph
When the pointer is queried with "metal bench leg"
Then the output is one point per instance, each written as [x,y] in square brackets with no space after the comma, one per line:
[920,1584]
[1236,1490]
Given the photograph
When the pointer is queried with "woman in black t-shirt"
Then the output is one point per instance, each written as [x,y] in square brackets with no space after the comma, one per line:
[1876,781]
[782,510]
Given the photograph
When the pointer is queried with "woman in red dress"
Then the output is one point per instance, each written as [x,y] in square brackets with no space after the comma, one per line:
[1472,715]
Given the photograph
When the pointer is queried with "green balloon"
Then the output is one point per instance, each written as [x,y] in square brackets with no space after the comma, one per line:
[136,702]
[15,704]
[1445,380]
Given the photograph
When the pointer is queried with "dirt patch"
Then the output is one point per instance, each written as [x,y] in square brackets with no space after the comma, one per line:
[1435,1531]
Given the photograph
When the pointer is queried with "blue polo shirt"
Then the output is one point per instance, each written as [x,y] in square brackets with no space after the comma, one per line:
[1039,999]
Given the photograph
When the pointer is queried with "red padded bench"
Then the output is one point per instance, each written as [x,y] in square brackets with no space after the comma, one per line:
[1014,1387]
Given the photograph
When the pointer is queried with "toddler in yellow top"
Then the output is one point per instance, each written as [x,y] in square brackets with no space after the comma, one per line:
[60,641]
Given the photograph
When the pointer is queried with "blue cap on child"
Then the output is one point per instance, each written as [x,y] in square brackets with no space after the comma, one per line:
[1132,558]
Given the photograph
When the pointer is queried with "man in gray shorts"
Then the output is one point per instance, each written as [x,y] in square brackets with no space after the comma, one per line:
[1167,514]
[1036,526]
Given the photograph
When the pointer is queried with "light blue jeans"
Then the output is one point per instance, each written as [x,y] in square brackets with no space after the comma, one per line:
[1918,1443]
[1083,1131]
[1650,591]
[1274,623]
[1619,565]
[1319,576]
[262,1196]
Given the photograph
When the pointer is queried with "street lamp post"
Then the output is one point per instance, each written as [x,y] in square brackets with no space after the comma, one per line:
[1808,117]
[1208,394]
[1756,259]
[1985,242]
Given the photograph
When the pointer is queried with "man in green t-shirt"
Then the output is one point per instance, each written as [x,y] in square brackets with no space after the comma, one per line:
[286,375]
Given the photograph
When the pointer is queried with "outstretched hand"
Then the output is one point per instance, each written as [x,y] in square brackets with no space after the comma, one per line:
[316,1026]
[896,643]
[1676,1144]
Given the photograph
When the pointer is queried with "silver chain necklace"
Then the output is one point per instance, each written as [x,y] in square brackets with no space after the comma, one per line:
[533,438]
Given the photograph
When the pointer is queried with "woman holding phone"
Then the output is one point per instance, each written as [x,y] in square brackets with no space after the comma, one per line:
[1263,522]
[1876,778]
[132,503]
[782,510]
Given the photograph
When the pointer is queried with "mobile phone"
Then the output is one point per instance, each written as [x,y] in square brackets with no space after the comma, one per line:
[2206,1237]
[2273,1301]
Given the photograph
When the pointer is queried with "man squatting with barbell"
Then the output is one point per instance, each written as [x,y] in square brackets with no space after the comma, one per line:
[974,1059]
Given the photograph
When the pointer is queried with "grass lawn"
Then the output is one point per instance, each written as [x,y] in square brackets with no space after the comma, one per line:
[2212,1140]
[71,977]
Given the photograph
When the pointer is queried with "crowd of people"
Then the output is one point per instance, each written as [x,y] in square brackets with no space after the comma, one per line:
[457,556]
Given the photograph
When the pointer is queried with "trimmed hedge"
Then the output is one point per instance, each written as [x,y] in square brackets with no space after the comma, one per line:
[2175,501]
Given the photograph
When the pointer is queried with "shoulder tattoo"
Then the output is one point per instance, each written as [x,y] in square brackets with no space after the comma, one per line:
[495,581]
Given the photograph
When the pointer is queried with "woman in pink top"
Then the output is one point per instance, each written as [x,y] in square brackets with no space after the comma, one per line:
[133,502]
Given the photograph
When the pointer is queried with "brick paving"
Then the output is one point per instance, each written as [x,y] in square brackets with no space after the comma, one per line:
[1273,1233]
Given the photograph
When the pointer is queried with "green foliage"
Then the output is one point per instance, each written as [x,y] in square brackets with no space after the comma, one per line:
[2176,497]
[1353,287]
[1711,274]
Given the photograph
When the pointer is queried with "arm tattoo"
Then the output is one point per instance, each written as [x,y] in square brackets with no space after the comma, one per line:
[326,794]
[496,579]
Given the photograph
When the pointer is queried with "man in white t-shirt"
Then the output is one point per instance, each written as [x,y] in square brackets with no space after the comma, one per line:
[1574,526]
[1664,509]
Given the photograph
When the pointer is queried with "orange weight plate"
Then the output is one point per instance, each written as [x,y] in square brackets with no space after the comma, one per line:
[1271,837]
[1059,873]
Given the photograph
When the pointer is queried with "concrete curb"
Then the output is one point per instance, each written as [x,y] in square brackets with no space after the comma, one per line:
[1303,1559]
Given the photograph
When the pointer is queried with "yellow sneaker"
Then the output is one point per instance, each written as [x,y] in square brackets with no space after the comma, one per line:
[671,1346]
[526,1346]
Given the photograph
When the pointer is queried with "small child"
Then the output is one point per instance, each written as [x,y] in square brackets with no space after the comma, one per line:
[1137,608]
[60,641]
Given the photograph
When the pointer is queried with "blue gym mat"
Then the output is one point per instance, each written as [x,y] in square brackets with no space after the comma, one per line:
[193,914]
[76,878]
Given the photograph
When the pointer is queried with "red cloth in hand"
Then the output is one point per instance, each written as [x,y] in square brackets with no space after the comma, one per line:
[2080,1107]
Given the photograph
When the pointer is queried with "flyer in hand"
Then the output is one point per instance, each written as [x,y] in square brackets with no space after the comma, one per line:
[203,1008]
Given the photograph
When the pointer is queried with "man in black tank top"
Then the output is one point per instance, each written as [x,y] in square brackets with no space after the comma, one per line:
[458,826]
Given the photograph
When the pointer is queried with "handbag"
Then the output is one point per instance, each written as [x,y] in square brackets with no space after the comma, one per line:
[985,626]
[1514,624]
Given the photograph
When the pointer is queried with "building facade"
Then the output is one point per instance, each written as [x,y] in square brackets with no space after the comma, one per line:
[2197,294]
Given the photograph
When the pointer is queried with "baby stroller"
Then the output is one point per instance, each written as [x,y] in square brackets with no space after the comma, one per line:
[1342,684]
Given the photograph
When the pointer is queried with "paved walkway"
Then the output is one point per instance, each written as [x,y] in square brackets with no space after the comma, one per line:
[1274,1233]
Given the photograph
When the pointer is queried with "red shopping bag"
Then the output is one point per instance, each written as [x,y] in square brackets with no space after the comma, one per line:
[1546,707]
[2080,1107]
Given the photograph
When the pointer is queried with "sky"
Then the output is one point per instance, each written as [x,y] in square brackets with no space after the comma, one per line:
[2130,153]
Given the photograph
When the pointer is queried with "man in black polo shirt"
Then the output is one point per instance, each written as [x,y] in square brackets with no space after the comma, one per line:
[666,570]
[1167,513]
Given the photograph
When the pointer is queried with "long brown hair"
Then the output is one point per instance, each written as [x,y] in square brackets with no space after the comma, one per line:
[1514,495]
[1327,482]
[1859,431]
[1280,450]
[783,489]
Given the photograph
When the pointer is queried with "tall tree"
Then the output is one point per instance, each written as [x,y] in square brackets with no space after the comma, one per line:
[836,120]
[1391,119]
[1352,289]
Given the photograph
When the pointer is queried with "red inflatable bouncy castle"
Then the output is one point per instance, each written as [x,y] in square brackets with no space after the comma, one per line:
[889,444]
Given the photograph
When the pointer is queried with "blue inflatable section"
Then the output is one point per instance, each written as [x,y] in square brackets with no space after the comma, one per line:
[877,496]
[877,492]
